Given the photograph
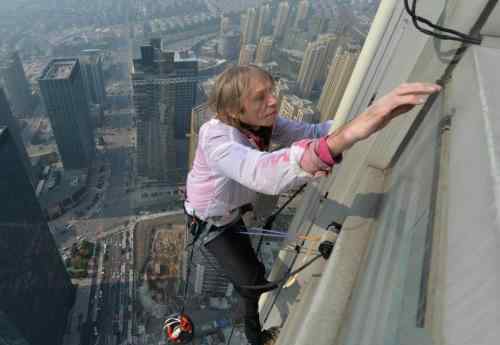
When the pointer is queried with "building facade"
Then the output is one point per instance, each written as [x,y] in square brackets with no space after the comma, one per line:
[281,20]
[331,43]
[264,22]
[35,290]
[199,116]
[338,77]
[16,86]
[93,77]
[63,93]
[314,57]
[225,25]
[298,109]
[206,276]
[249,31]
[164,92]
[7,120]
[247,54]
[302,13]
[229,45]
[264,50]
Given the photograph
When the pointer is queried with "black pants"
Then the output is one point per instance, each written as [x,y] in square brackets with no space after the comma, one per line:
[236,256]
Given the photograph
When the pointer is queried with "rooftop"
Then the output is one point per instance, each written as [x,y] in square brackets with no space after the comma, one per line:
[59,69]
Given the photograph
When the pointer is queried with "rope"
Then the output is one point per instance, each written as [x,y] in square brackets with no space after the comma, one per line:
[268,224]
[186,285]
[452,35]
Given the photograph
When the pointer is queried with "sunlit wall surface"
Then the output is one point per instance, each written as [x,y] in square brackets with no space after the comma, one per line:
[390,302]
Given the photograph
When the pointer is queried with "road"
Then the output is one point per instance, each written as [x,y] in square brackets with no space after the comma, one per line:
[111,299]
[108,204]
[106,209]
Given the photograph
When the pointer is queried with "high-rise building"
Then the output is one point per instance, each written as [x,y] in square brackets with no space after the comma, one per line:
[302,13]
[9,334]
[264,50]
[247,54]
[93,77]
[63,93]
[164,87]
[35,290]
[318,24]
[250,30]
[229,45]
[225,25]
[16,86]
[281,20]
[298,109]
[309,69]
[295,39]
[338,76]
[206,276]
[199,116]
[243,26]
[282,88]
[264,22]
[7,120]
[330,41]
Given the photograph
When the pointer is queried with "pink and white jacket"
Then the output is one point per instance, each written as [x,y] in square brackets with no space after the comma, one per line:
[228,169]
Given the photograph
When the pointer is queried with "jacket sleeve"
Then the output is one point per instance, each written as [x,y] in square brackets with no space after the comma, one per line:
[287,131]
[264,172]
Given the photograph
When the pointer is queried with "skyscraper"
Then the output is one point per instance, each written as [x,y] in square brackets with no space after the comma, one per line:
[35,289]
[63,92]
[7,120]
[93,78]
[16,86]
[164,93]
[9,334]
[298,109]
[281,20]
[225,24]
[302,13]
[250,29]
[229,45]
[338,76]
[206,276]
[264,50]
[310,67]
[199,116]
[247,54]
[264,22]
[330,41]
[243,26]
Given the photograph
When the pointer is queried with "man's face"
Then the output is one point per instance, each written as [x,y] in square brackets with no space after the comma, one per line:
[260,104]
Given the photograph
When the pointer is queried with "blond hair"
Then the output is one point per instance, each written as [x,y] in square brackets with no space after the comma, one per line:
[226,98]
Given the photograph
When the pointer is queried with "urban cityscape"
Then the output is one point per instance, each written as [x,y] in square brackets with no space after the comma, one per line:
[100,107]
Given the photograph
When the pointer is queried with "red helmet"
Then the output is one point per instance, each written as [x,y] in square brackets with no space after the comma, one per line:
[178,329]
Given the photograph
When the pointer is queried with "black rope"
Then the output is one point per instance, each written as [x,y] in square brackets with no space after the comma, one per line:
[274,284]
[452,35]
[230,336]
[268,224]
[186,285]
